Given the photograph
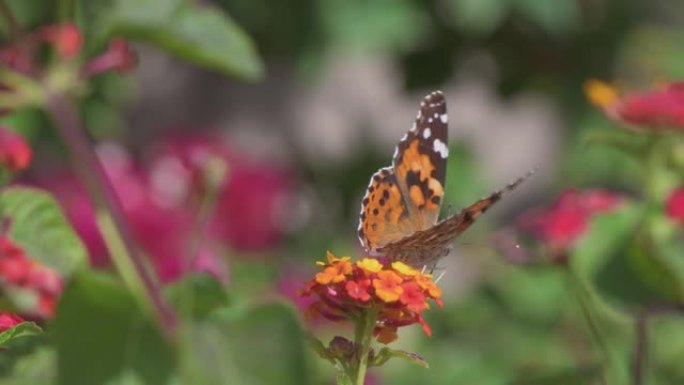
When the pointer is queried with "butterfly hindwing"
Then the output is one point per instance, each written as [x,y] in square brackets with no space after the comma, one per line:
[424,248]
[384,215]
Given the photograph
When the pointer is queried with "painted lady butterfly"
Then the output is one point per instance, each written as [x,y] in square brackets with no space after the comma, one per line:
[400,209]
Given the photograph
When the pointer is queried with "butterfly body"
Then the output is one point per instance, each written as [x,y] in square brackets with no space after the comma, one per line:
[399,213]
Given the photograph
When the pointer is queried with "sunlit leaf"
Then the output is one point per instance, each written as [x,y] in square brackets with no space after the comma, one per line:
[38,224]
[21,330]
[200,34]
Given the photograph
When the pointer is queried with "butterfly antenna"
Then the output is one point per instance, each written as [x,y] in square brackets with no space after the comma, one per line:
[512,186]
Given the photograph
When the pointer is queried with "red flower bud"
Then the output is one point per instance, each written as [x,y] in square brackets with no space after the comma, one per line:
[15,154]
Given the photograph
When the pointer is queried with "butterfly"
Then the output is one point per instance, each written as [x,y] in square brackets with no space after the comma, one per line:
[400,210]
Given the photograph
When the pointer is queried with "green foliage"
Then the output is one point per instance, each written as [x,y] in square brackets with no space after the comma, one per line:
[564,377]
[202,35]
[21,330]
[99,334]
[38,224]
[262,344]
[479,17]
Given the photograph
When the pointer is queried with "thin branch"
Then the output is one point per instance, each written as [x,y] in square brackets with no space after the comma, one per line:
[640,348]
[641,320]
[101,190]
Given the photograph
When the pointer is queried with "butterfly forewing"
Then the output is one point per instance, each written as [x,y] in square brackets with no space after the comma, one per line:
[420,161]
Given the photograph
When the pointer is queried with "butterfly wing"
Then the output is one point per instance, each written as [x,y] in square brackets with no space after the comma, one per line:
[384,215]
[426,247]
[420,161]
[406,197]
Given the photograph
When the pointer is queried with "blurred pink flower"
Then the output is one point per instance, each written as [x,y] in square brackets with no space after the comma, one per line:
[251,207]
[164,233]
[674,205]
[9,320]
[161,199]
[252,200]
[66,38]
[656,109]
[561,225]
[289,285]
[19,271]
[15,153]
[119,57]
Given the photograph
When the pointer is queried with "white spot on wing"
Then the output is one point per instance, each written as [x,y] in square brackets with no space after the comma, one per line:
[427,133]
[441,148]
[444,118]
[414,128]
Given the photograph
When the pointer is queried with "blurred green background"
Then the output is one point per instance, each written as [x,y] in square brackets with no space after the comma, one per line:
[308,98]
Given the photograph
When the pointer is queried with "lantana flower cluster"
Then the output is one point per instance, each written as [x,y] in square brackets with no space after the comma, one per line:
[346,290]
[19,272]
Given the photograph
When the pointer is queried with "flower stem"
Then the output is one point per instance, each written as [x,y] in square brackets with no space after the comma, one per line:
[587,304]
[111,218]
[363,336]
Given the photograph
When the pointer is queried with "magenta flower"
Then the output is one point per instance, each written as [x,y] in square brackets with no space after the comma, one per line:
[561,225]
[656,109]
[161,200]
[253,199]
[9,320]
[15,153]
[674,205]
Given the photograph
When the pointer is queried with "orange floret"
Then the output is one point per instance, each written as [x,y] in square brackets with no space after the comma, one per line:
[388,286]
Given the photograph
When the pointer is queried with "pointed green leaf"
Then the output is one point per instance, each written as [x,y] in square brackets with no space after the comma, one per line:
[319,348]
[607,233]
[385,354]
[21,330]
[38,224]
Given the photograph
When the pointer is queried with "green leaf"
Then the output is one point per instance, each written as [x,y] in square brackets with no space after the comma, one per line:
[373,25]
[585,375]
[385,354]
[21,330]
[37,366]
[201,34]
[260,345]
[320,349]
[197,294]
[606,235]
[479,17]
[555,17]
[40,227]
[99,334]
